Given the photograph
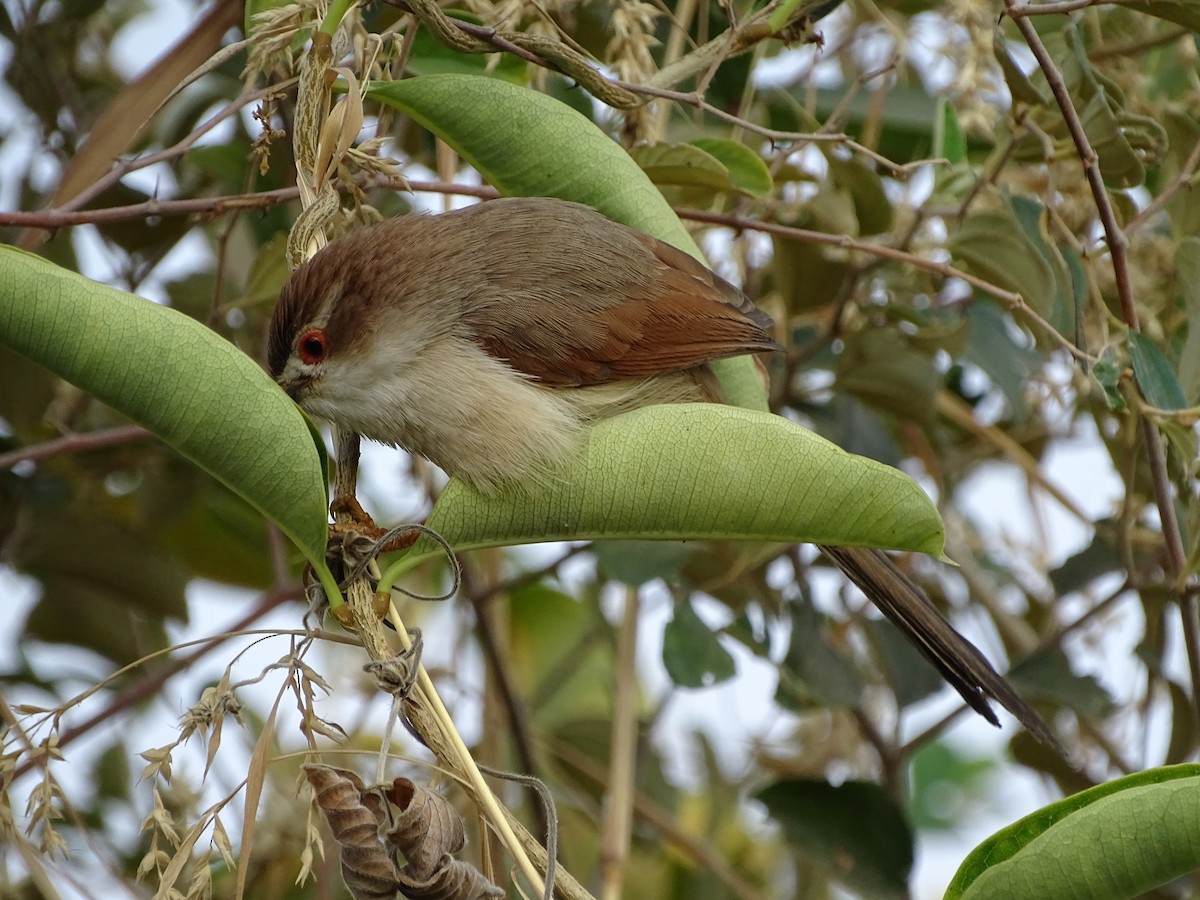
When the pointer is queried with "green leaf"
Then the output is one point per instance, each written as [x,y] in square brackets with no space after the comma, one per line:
[1115,840]
[682,165]
[880,367]
[946,786]
[692,654]
[105,591]
[1119,162]
[1107,372]
[813,669]
[636,562]
[1181,12]
[993,245]
[872,208]
[1124,141]
[807,276]
[557,656]
[1048,677]
[693,472]
[1059,305]
[1094,561]
[1187,282]
[196,391]
[854,831]
[747,171]
[1020,86]
[528,144]
[27,392]
[948,139]
[908,672]
[1154,374]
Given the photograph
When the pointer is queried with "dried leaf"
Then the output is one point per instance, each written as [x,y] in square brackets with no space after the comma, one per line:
[456,880]
[418,825]
[254,785]
[339,130]
[367,869]
[425,827]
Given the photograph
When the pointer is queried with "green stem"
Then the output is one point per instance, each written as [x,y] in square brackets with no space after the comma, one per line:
[337,12]
[332,593]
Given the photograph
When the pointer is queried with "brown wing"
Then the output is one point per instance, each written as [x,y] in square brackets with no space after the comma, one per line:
[663,312]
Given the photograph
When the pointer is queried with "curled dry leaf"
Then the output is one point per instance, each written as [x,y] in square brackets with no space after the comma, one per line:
[454,880]
[425,827]
[367,869]
[379,827]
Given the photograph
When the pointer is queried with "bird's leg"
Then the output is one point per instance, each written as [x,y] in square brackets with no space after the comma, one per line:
[348,514]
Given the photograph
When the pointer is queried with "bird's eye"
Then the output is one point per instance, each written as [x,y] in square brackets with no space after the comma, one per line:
[312,347]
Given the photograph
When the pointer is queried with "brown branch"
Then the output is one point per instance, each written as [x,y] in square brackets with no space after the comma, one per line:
[1164,196]
[75,443]
[114,175]
[1132,48]
[692,98]
[1013,300]
[1118,247]
[1064,6]
[209,207]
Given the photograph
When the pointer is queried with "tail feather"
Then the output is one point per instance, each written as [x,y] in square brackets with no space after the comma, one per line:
[957,659]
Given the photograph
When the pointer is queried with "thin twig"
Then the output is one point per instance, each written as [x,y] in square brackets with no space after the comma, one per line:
[501,683]
[1177,184]
[150,685]
[1055,638]
[1064,6]
[1118,246]
[215,206]
[665,822]
[621,785]
[956,410]
[1132,48]
[1013,300]
[75,443]
[114,175]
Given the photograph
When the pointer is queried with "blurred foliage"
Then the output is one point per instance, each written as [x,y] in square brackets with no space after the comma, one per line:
[943,180]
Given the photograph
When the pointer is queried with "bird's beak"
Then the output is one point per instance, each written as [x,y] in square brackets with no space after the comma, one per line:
[296,387]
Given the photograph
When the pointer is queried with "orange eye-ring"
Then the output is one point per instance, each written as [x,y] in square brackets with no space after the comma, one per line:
[312,347]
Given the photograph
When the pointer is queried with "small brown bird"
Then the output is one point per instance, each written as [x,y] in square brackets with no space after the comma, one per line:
[487,339]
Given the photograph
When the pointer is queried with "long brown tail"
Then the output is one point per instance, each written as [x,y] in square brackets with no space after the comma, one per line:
[959,661]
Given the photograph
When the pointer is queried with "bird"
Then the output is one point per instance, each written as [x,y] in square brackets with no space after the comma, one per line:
[488,339]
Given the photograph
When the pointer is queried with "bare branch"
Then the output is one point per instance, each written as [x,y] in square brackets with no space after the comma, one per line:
[1014,301]
[74,443]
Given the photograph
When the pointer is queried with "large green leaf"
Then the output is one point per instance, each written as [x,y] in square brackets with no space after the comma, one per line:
[1115,840]
[200,394]
[700,471]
